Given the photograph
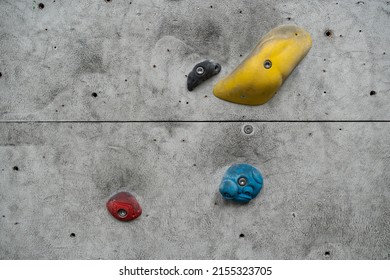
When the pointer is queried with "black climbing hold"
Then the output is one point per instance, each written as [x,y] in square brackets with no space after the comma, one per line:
[202,72]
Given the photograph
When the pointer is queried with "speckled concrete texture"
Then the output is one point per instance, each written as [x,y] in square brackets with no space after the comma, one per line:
[93,100]
[135,54]
[326,189]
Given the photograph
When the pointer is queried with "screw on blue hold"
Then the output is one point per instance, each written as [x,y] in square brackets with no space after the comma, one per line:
[241,183]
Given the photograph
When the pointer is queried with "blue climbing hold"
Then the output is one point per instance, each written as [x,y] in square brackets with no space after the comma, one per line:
[241,183]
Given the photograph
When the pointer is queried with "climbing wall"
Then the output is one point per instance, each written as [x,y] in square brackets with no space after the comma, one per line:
[93,100]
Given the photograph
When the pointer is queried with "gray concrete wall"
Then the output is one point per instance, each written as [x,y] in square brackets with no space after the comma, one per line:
[63,153]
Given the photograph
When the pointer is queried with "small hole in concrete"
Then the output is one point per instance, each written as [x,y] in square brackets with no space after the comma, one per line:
[205,96]
[62,105]
[154,66]
[45,29]
[383,54]
[324,91]
[240,55]
[194,164]
[327,253]
[108,1]
[360,31]
[154,140]
[94,94]
[3,216]
[55,47]
[296,34]
[168,50]
[324,70]
[288,18]
[293,214]
[186,76]
[310,134]
[240,12]
[72,235]
[211,7]
[341,36]
[182,140]
[1,74]
[16,168]
[328,33]
[16,223]
[373,92]
[186,102]
[125,80]
[340,129]
[324,59]
[41,6]
[242,235]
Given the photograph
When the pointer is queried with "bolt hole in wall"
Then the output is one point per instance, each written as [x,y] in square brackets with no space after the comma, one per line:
[94,94]
[248,129]
[327,253]
[72,235]
[16,168]
[242,235]
[328,33]
[41,6]
[373,92]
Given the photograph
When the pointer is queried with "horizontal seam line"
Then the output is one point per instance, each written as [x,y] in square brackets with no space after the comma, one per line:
[200,121]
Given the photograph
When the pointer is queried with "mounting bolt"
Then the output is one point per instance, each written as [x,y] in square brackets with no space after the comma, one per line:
[242,181]
[122,213]
[200,70]
[267,64]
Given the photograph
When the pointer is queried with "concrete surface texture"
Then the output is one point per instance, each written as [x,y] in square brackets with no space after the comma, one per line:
[93,100]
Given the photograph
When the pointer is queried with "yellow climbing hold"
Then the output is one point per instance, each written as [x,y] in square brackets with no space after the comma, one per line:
[260,75]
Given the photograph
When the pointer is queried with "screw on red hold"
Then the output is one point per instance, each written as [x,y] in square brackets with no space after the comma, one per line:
[124,207]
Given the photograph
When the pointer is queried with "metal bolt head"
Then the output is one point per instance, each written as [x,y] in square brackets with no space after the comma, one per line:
[122,213]
[242,181]
[267,64]
[248,129]
[200,70]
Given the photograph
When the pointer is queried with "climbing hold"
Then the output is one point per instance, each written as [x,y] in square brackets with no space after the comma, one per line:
[202,72]
[124,207]
[241,183]
[261,74]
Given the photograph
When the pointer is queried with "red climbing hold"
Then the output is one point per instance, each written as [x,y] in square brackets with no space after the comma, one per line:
[124,207]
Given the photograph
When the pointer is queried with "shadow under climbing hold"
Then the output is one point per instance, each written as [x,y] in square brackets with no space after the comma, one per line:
[256,80]
[124,207]
[202,72]
[241,183]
